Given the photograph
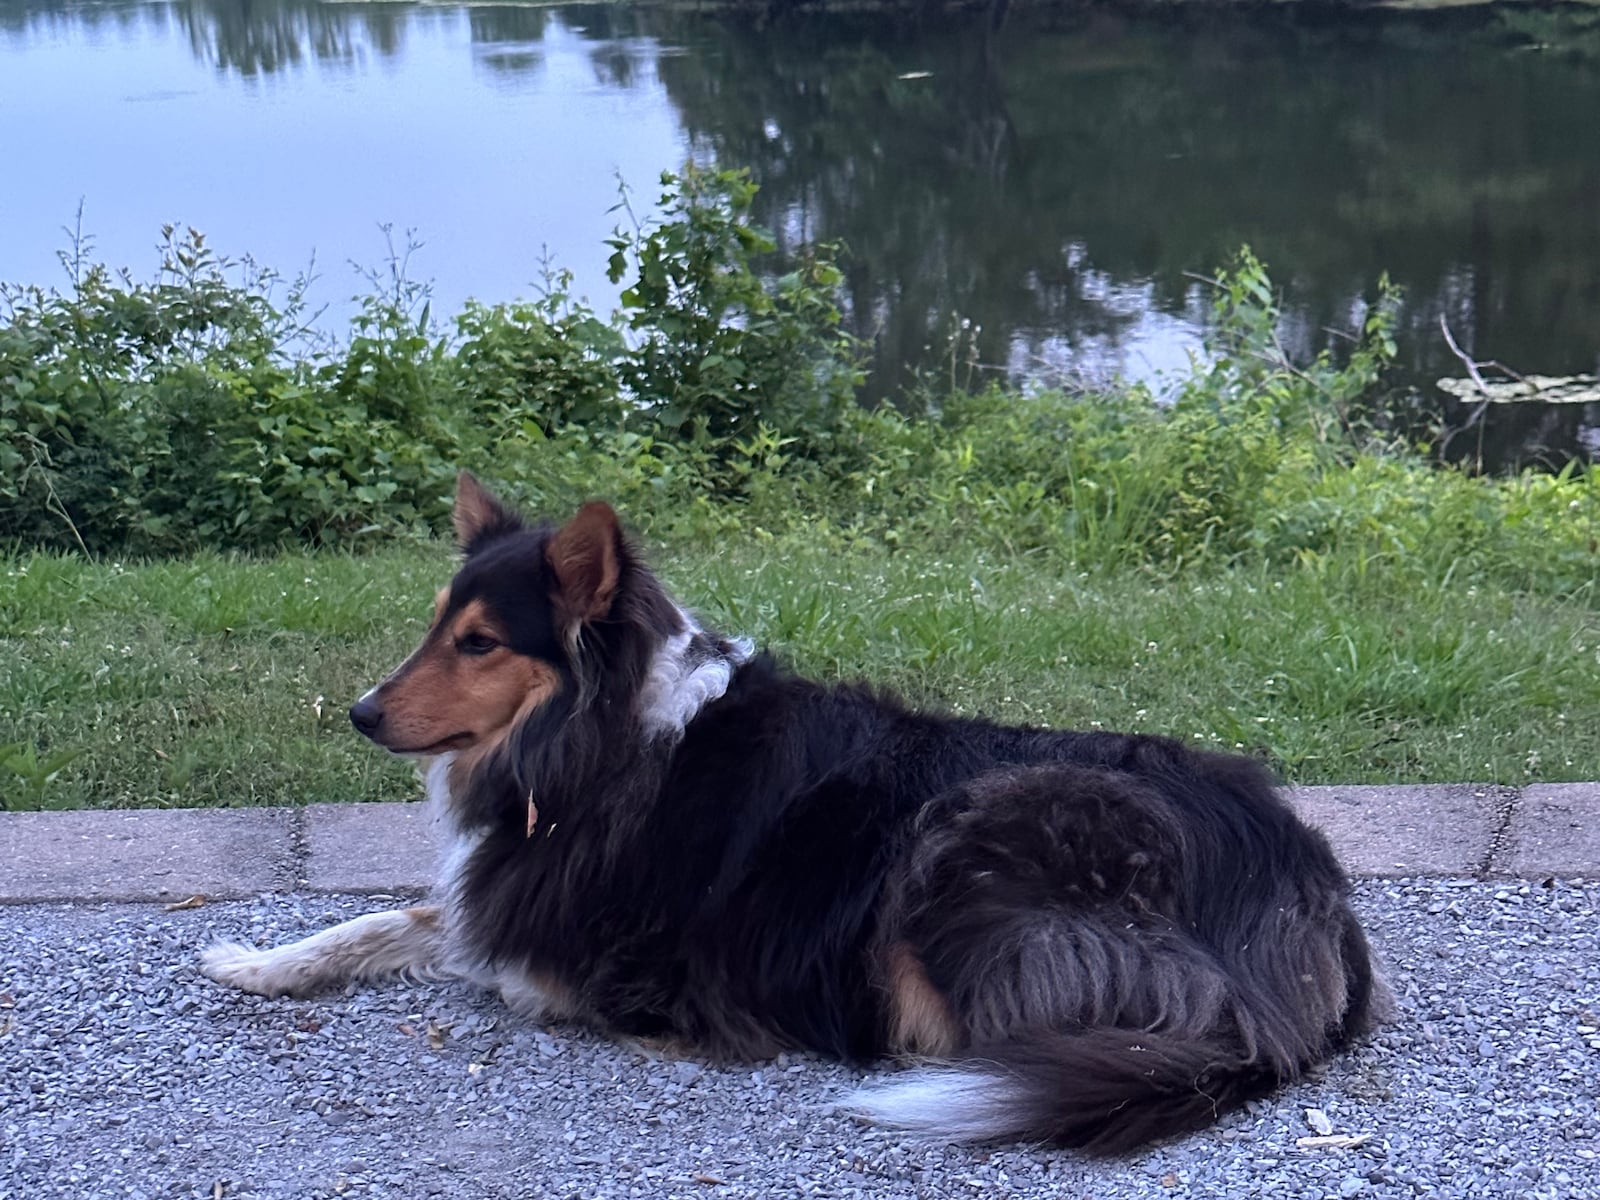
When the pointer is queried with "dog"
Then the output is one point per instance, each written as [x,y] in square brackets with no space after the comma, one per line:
[1098,939]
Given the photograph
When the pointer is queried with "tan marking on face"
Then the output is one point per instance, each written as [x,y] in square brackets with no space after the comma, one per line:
[920,1020]
[445,697]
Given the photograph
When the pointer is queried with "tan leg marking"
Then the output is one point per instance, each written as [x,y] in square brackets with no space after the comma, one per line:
[920,1020]
[536,994]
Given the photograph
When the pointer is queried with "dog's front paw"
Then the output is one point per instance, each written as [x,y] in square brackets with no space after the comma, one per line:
[258,971]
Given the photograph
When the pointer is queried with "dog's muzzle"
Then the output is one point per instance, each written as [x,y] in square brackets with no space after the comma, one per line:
[366,714]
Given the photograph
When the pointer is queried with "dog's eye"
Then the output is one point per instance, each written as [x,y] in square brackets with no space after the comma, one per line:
[476,643]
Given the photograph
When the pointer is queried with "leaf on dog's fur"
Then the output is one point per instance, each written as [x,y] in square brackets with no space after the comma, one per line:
[194,901]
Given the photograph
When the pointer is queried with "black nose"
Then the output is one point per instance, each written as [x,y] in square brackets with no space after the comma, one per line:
[366,715]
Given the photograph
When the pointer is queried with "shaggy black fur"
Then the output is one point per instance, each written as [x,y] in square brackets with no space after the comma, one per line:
[1129,936]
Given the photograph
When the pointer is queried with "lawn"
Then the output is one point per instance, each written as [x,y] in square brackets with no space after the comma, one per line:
[224,680]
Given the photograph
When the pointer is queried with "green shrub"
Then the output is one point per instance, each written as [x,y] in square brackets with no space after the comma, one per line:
[348,443]
[719,351]
[152,419]
[192,411]
[116,399]
[535,369]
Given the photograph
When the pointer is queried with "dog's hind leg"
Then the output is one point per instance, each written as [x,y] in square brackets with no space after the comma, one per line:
[405,941]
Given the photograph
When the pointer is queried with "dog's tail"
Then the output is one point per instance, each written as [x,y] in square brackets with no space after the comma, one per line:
[1105,1091]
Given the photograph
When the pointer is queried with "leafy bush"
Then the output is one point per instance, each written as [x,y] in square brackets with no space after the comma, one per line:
[720,351]
[154,418]
[116,399]
[535,369]
[348,442]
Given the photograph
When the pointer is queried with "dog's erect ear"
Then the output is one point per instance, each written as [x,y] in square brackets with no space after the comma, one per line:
[478,515]
[586,556]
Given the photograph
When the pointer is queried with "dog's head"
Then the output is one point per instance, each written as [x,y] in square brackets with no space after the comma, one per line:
[505,632]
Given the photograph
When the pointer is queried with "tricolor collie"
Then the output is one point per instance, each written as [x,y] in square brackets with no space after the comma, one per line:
[1097,939]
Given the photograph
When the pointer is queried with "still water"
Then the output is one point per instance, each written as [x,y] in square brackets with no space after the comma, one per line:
[1056,178]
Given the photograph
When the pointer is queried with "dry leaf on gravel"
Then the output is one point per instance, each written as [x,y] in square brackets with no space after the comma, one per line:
[1337,1141]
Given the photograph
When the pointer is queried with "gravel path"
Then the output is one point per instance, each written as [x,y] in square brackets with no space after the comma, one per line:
[124,1073]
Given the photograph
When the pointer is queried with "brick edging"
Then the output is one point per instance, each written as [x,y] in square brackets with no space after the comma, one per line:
[1455,830]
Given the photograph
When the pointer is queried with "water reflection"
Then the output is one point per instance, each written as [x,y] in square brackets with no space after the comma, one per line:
[260,37]
[1031,168]
[265,37]
[1059,178]
[507,39]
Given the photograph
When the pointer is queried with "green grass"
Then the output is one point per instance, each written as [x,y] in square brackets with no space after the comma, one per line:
[222,681]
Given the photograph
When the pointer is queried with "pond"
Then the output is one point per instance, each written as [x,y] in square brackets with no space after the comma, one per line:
[1058,178]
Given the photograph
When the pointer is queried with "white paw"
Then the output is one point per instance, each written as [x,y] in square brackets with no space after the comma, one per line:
[252,970]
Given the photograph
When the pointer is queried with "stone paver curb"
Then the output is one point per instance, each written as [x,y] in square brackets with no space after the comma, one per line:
[368,848]
[1554,831]
[1452,830]
[1430,829]
[147,854]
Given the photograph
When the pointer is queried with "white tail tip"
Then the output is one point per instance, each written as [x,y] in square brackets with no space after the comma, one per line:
[956,1104]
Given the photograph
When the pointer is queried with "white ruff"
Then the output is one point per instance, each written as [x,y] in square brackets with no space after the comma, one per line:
[681,683]
[456,847]
[455,843]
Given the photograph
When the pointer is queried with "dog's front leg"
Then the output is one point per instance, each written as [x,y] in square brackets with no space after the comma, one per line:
[404,941]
